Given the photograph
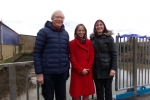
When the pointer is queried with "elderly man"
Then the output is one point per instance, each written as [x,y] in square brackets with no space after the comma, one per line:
[51,57]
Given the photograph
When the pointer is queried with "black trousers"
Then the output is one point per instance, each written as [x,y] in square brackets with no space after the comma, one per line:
[55,83]
[103,86]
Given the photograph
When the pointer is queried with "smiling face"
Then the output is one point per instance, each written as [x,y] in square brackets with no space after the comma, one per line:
[58,19]
[99,27]
[80,31]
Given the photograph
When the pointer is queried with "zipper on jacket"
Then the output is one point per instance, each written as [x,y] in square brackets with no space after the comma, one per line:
[59,53]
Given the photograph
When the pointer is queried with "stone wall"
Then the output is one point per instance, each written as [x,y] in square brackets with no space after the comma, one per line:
[27,42]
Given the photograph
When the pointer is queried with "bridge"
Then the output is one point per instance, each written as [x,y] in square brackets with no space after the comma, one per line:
[132,81]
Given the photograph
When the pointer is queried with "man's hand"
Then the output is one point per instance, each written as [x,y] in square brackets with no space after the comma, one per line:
[85,71]
[40,78]
[112,73]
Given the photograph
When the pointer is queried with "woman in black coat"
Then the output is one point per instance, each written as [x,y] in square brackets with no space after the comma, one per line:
[105,62]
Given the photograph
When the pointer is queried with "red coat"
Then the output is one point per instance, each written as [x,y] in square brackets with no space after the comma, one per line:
[81,56]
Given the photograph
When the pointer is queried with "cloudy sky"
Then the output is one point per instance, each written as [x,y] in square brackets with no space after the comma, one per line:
[121,16]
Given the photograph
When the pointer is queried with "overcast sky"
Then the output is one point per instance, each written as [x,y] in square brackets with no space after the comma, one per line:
[121,16]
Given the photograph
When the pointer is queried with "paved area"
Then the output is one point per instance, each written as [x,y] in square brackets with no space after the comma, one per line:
[140,97]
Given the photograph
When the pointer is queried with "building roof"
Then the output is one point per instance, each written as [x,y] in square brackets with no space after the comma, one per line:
[7,26]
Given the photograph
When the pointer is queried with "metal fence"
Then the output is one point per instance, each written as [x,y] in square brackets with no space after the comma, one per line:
[17,83]
[16,80]
[133,62]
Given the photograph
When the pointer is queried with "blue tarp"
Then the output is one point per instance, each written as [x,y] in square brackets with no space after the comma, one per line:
[132,35]
[9,36]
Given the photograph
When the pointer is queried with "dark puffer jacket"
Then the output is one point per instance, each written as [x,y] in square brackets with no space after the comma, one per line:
[105,55]
[51,52]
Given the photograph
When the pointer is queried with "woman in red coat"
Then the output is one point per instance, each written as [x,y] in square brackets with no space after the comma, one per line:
[81,57]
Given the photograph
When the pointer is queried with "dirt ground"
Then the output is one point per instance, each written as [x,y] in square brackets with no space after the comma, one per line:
[25,58]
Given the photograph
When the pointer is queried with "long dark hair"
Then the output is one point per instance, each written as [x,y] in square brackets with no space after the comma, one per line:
[105,29]
[75,32]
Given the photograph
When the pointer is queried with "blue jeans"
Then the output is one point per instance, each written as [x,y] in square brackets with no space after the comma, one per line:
[55,83]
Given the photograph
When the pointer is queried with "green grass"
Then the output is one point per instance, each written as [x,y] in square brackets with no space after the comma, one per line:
[15,57]
[12,59]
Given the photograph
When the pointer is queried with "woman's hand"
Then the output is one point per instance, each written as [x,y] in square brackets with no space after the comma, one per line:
[112,72]
[85,71]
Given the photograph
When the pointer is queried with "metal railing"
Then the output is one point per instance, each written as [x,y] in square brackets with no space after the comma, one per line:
[133,62]
[10,69]
[15,73]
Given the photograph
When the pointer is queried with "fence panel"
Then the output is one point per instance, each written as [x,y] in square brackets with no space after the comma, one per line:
[18,82]
[133,62]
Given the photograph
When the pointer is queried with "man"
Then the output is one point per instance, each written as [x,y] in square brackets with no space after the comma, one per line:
[51,57]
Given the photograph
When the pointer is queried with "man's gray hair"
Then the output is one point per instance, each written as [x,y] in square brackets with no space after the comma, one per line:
[53,14]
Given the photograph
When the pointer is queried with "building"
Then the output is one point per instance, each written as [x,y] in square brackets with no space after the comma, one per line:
[12,43]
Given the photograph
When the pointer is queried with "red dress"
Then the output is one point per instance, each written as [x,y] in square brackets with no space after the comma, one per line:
[81,56]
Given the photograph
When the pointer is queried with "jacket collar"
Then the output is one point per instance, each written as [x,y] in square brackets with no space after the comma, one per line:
[80,44]
[109,33]
[49,24]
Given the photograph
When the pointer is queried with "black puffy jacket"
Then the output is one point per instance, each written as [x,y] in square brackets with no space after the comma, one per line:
[51,52]
[105,55]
